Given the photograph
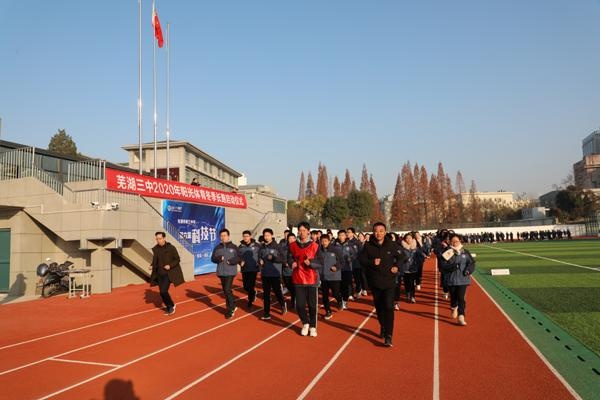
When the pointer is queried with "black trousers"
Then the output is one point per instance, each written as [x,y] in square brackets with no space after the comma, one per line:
[419,274]
[163,285]
[307,295]
[269,283]
[409,284]
[365,282]
[287,280]
[334,288]
[358,279]
[443,282]
[227,283]
[249,280]
[457,298]
[384,304]
[346,284]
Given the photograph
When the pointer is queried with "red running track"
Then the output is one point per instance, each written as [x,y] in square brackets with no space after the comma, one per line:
[122,346]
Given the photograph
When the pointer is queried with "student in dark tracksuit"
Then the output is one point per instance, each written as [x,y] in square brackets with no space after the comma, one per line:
[225,255]
[440,245]
[305,259]
[270,259]
[458,268]
[165,270]
[248,253]
[360,281]
[346,263]
[331,275]
[380,257]
[424,246]
[409,268]
[287,269]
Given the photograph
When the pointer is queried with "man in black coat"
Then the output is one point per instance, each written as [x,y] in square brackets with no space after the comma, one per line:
[165,270]
[380,258]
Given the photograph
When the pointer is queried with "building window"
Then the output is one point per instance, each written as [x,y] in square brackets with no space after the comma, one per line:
[279,206]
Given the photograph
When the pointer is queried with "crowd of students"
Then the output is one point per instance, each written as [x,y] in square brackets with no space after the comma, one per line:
[345,268]
[491,237]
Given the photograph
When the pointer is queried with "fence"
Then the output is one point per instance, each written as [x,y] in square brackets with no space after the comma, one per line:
[86,170]
[23,163]
[592,224]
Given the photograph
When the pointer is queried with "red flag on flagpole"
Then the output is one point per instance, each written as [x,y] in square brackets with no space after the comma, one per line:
[156,24]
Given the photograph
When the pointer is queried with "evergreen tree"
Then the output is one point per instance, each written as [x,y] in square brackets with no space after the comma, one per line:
[474,209]
[310,186]
[424,195]
[337,187]
[361,206]
[377,214]
[347,185]
[62,143]
[397,218]
[364,180]
[322,181]
[302,189]
[460,183]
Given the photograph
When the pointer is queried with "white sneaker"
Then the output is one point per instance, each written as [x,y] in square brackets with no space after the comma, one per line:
[396,306]
[418,287]
[344,305]
[313,332]
[364,292]
[454,312]
[461,320]
[351,298]
[304,331]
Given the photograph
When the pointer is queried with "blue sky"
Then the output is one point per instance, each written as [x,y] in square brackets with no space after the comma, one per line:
[502,90]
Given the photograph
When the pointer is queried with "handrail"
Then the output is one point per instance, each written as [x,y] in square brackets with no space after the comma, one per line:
[91,170]
[21,163]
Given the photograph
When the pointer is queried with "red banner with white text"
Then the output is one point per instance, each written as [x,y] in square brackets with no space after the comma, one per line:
[148,186]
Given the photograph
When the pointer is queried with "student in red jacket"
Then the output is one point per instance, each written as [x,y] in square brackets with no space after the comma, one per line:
[305,258]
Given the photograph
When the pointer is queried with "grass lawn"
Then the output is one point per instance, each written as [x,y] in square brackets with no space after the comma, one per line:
[567,294]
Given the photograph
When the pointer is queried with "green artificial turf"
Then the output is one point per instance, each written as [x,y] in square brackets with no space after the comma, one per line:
[567,294]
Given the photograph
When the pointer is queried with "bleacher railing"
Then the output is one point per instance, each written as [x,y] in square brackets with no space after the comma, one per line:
[86,171]
[22,163]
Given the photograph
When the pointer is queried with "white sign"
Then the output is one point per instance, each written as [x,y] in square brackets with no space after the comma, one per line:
[500,271]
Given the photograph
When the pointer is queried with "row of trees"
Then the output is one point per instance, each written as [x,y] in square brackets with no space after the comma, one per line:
[572,203]
[420,200]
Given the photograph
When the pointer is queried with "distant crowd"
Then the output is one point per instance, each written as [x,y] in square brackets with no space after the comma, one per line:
[491,237]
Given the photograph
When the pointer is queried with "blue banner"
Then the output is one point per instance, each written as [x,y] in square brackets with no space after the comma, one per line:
[200,225]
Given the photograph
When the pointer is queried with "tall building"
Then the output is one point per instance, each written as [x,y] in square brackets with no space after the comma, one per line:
[186,162]
[591,144]
[587,171]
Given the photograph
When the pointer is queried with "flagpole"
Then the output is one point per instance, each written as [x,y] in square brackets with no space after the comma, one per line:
[168,101]
[140,83]
[154,89]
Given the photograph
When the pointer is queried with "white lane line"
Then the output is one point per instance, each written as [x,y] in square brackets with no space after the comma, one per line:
[231,361]
[110,339]
[317,378]
[533,347]
[102,322]
[84,362]
[148,355]
[543,258]
[436,343]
